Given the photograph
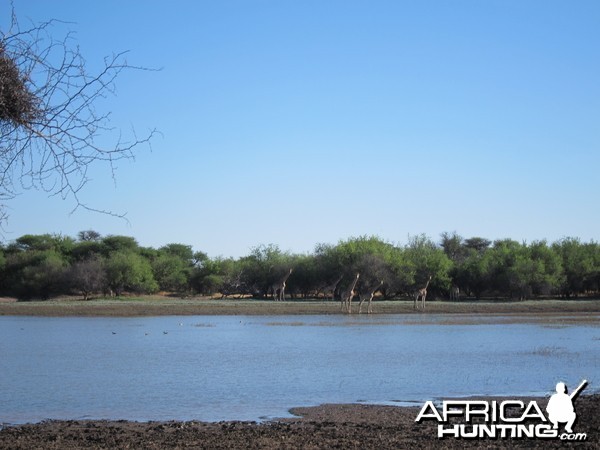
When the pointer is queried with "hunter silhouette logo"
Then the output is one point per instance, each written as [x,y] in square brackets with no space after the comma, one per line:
[560,407]
[507,419]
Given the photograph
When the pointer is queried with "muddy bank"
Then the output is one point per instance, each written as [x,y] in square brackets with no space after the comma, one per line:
[323,427]
[161,306]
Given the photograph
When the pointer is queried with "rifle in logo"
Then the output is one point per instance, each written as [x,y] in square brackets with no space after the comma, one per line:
[579,389]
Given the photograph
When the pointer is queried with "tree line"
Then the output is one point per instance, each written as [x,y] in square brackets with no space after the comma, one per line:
[45,266]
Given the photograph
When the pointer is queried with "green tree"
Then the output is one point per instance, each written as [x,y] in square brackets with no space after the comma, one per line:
[402,277]
[172,265]
[429,260]
[473,275]
[510,269]
[128,271]
[593,279]
[550,276]
[181,251]
[521,271]
[326,267]
[471,272]
[87,249]
[453,246]
[302,281]
[171,272]
[369,256]
[478,244]
[211,276]
[119,244]
[36,274]
[43,242]
[578,264]
[262,267]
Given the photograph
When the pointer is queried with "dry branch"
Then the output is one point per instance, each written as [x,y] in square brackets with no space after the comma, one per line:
[50,130]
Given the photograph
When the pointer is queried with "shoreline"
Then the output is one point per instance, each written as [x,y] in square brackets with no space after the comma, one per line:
[168,306]
[325,426]
[354,425]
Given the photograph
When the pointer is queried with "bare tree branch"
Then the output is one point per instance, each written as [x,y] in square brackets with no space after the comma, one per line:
[50,130]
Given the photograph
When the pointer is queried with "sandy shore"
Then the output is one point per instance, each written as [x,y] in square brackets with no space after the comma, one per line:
[323,427]
[160,306]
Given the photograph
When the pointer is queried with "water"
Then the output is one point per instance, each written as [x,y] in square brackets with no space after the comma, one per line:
[251,368]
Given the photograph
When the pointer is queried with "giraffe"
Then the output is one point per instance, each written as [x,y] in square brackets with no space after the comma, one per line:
[349,294]
[454,292]
[369,294]
[421,294]
[331,288]
[278,287]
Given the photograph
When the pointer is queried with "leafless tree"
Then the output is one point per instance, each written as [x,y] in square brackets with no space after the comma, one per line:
[51,132]
[89,236]
[88,276]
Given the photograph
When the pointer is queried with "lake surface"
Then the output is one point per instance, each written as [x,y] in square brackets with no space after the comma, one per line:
[250,368]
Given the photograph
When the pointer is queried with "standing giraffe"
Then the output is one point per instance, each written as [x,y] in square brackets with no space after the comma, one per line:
[369,294]
[278,287]
[349,294]
[454,292]
[331,288]
[422,294]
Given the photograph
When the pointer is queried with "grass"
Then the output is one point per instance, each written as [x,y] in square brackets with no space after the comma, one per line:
[163,305]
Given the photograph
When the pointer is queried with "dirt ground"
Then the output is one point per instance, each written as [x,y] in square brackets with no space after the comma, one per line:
[329,426]
[164,305]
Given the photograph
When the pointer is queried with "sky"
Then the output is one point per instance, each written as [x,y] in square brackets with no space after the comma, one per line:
[312,121]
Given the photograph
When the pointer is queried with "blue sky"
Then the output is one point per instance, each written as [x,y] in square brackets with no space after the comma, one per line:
[305,122]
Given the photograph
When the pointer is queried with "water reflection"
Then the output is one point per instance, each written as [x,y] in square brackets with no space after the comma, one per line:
[236,367]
